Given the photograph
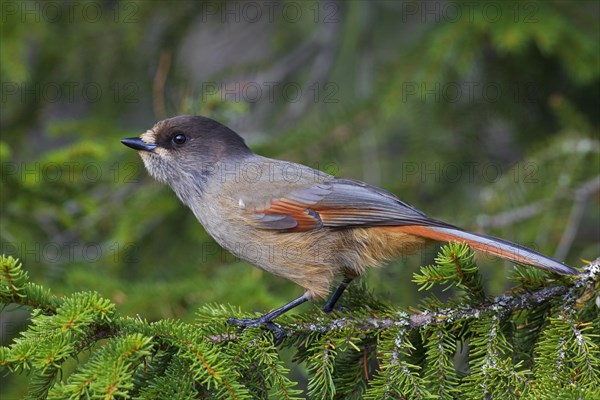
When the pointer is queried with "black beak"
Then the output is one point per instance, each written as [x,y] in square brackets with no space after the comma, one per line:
[138,144]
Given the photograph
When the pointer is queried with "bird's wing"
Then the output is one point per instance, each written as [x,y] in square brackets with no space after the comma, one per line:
[338,203]
[342,203]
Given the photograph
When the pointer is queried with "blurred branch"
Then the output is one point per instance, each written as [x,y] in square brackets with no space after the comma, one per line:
[507,218]
[158,87]
[290,63]
[511,217]
[327,37]
[364,90]
[582,194]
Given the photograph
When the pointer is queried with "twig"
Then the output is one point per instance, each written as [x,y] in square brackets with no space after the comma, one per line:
[502,305]
[158,88]
[582,194]
[510,217]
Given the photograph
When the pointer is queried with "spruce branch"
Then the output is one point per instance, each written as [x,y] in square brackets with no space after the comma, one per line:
[15,287]
[412,354]
[454,266]
[564,293]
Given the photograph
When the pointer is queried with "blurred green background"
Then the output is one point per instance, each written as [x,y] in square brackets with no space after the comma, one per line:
[482,114]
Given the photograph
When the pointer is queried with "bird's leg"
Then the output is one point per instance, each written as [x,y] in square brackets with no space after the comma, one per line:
[267,319]
[328,307]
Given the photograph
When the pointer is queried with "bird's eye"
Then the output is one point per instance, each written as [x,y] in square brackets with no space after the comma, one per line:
[179,138]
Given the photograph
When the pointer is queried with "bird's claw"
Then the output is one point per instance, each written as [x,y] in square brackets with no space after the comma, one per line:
[278,333]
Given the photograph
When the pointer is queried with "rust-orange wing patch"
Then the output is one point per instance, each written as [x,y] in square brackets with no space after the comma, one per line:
[285,214]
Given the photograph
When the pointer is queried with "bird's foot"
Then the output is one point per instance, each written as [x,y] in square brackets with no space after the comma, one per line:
[278,333]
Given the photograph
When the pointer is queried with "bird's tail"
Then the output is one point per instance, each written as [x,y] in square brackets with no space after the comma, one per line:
[488,244]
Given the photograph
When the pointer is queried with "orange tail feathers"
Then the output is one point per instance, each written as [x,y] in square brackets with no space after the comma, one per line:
[489,244]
